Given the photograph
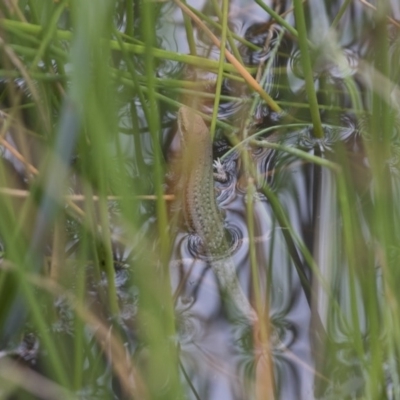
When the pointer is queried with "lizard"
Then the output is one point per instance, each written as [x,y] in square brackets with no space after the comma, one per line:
[200,208]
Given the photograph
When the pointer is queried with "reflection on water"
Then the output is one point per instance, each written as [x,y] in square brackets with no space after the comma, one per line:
[217,355]
[222,357]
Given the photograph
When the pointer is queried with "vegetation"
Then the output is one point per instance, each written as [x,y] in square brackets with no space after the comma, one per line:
[88,93]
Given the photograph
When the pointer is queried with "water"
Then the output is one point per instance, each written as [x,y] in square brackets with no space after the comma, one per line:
[213,348]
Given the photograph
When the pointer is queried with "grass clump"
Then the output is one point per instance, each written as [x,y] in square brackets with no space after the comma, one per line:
[88,91]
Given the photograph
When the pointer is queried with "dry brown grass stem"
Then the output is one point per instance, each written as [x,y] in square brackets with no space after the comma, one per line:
[80,197]
[372,7]
[239,67]
[110,343]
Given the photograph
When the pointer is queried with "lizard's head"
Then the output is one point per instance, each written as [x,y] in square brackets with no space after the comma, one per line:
[192,128]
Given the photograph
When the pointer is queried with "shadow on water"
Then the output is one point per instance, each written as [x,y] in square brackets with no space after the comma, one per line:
[307,311]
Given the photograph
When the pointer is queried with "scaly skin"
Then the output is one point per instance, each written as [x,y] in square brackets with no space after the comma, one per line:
[200,208]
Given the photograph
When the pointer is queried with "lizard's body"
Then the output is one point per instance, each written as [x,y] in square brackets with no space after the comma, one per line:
[200,208]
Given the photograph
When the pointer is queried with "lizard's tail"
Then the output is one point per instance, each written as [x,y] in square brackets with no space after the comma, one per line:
[226,274]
